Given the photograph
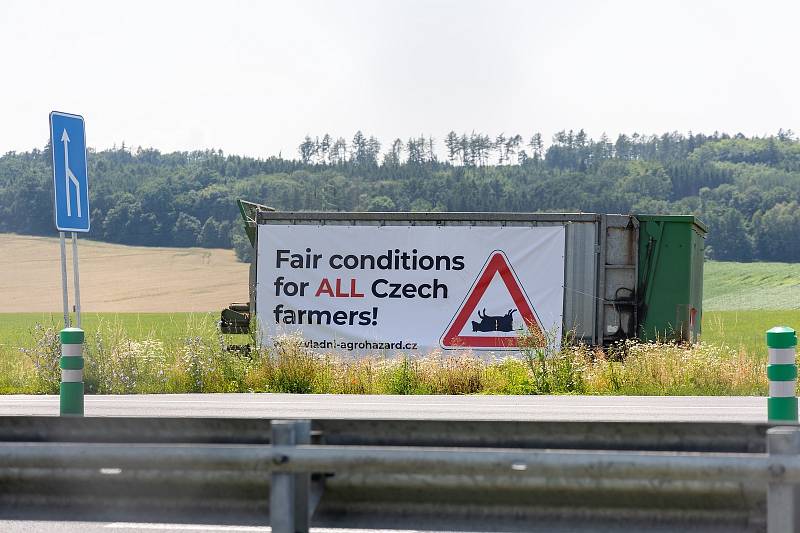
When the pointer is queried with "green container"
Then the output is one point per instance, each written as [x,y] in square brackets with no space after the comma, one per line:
[670,277]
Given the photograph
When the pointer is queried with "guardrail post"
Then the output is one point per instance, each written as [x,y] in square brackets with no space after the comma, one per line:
[302,482]
[783,499]
[782,374]
[281,492]
[71,363]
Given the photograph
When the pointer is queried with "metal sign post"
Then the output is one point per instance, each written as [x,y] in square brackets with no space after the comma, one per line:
[71,193]
[64,279]
[77,278]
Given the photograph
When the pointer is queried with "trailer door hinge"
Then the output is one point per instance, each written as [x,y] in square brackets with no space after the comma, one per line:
[597,248]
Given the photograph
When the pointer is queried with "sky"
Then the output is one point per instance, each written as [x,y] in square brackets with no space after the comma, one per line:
[253,78]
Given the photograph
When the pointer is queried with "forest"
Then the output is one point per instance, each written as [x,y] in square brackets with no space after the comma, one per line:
[746,189]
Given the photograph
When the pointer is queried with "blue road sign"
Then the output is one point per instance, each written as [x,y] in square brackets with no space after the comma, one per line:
[70,174]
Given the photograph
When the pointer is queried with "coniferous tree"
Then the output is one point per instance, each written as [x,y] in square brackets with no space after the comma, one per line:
[324,149]
[339,151]
[453,146]
[500,145]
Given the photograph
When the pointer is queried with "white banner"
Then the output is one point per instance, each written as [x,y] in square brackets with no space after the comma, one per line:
[410,289]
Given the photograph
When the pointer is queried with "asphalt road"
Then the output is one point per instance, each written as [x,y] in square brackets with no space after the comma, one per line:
[541,408]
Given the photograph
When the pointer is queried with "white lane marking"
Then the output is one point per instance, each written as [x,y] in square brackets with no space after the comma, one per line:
[245,529]
[665,402]
[660,403]
[611,409]
[300,406]
[184,527]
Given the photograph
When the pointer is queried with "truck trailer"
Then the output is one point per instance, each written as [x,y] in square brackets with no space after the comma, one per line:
[624,276]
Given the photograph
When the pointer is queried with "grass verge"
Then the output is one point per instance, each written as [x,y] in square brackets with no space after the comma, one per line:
[184,353]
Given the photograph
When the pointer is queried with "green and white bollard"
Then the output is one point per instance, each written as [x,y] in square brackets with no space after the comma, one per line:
[782,374]
[71,372]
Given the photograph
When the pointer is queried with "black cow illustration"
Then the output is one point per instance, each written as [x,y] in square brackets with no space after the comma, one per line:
[494,323]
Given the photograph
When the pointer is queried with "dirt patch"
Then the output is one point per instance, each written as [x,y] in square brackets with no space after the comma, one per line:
[117,278]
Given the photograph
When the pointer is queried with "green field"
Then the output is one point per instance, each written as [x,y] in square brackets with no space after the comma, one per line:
[743,300]
[16,328]
[735,328]
[751,286]
[745,329]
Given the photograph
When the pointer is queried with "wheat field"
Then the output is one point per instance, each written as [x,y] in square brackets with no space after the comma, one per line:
[117,278]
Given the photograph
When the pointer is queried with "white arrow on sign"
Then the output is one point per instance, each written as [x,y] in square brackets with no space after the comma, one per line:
[70,177]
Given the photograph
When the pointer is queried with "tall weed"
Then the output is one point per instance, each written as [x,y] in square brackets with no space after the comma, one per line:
[199,362]
[44,354]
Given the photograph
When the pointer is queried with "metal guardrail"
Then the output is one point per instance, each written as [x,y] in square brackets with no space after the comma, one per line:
[653,436]
[406,474]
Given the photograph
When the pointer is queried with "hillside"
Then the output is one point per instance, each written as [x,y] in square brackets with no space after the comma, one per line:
[119,278]
[741,286]
[745,189]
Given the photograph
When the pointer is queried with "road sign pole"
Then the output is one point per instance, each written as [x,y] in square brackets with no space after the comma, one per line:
[65,297]
[77,279]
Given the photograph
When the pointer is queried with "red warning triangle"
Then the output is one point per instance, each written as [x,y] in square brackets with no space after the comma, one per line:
[496,264]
